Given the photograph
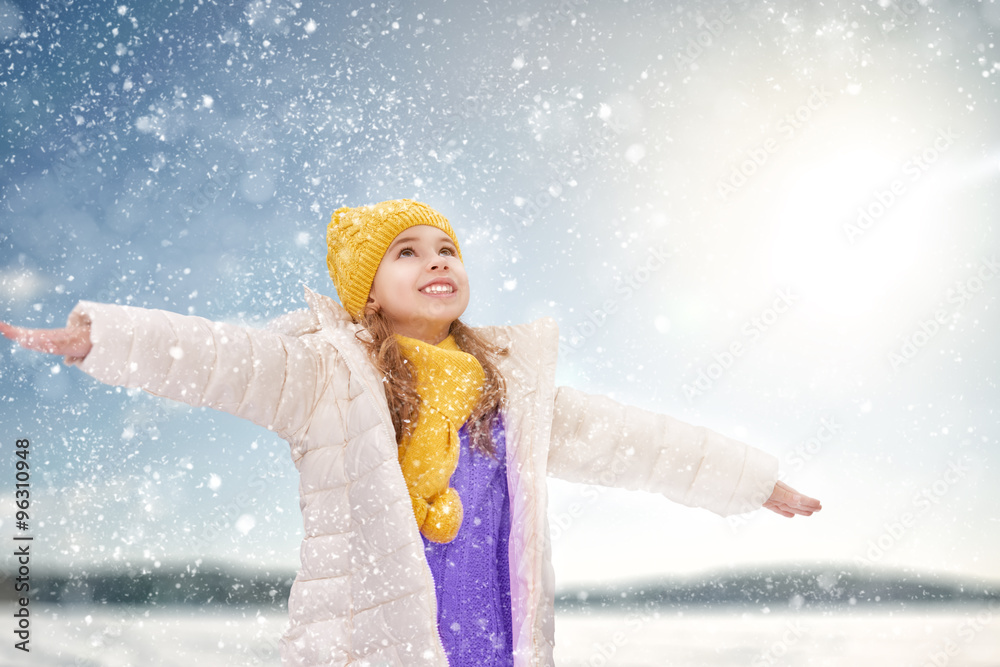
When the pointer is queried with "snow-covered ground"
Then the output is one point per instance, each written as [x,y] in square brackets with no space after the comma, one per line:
[839,639]
[143,637]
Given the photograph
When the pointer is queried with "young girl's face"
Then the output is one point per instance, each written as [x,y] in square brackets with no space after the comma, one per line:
[421,284]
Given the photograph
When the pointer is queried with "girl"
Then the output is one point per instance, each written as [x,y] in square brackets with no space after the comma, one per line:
[422,444]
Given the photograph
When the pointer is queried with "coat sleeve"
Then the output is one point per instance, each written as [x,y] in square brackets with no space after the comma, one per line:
[596,440]
[264,376]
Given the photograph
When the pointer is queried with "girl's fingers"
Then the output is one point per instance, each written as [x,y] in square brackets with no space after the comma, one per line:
[779,509]
[7,330]
[784,510]
[35,339]
[788,502]
[794,500]
[75,342]
[804,503]
[18,335]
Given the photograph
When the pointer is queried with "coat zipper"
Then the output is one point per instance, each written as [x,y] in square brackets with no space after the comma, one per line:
[370,393]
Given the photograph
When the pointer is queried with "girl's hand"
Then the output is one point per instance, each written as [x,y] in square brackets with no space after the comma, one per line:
[72,341]
[786,501]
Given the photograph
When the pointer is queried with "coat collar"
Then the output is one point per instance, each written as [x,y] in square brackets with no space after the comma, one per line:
[338,327]
[330,313]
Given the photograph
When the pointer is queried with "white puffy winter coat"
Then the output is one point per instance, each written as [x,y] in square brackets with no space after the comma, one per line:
[364,594]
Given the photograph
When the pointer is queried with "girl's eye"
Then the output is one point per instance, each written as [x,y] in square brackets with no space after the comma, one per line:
[403,251]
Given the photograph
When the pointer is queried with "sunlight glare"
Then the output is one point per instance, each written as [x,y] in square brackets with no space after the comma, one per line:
[843,275]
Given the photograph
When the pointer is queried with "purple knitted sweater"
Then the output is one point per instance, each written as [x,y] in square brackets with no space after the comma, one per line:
[471,573]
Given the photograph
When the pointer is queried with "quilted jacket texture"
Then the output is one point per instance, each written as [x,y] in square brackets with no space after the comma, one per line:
[364,594]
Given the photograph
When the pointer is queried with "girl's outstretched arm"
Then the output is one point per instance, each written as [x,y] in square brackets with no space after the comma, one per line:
[596,440]
[192,360]
[72,341]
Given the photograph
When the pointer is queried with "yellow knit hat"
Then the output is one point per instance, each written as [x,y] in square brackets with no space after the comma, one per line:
[357,238]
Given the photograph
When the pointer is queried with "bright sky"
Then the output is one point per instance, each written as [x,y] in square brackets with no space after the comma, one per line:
[812,186]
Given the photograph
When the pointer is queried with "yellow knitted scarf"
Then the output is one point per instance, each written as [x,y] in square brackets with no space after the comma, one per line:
[450,383]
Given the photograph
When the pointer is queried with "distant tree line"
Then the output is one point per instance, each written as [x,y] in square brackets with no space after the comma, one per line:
[776,588]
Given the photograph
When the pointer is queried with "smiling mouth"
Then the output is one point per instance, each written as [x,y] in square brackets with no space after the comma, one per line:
[438,289]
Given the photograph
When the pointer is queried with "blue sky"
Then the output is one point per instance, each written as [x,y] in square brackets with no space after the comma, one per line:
[774,220]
